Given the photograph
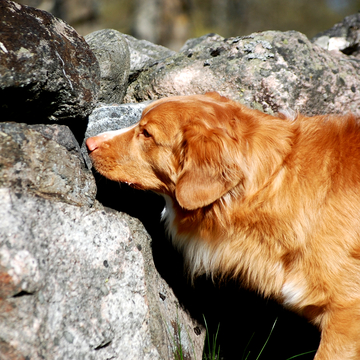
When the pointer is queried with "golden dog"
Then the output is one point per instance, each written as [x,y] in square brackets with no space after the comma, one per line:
[272,201]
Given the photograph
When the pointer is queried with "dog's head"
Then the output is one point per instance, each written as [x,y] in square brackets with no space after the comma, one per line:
[192,148]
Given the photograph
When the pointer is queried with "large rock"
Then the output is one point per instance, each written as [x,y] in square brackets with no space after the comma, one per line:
[269,70]
[46,161]
[70,291]
[75,284]
[46,69]
[112,52]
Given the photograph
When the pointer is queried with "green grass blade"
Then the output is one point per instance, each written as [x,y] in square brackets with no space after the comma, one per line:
[246,347]
[213,349]
[295,356]
[248,355]
[262,349]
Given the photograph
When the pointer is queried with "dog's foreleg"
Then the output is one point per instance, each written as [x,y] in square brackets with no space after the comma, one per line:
[340,336]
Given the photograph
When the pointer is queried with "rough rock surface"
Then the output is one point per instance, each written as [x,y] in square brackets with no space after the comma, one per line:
[31,161]
[112,53]
[170,325]
[344,36]
[269,70]
[144,54]
[114,117]
[46,69]
[69,291]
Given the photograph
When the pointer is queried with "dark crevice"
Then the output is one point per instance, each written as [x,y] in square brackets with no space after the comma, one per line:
[133,76]
[104,345]
[22,293]
[351,50]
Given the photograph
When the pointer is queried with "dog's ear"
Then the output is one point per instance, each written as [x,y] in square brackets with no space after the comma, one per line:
[208,171]
[198,187]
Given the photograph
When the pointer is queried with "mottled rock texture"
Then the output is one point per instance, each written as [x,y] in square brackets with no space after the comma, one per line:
[112,52]
[114,117]
[47,70]
[268,70]
[80,282]
[71,292]
[145,54]
[31,161]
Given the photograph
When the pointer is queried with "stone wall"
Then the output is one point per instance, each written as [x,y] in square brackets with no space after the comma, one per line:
[77,279]
[80,278]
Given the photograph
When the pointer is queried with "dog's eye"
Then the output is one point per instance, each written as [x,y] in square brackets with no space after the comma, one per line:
[146,133]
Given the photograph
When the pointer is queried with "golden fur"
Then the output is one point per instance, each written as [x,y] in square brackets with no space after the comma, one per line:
[272,201]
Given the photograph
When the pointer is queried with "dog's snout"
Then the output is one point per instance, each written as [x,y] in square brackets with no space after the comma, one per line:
[92,143]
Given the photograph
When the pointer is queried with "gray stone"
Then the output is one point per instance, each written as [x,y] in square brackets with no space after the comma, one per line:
[80,283]
[143,54]
[47,70]
[60,134]
[113,117]
[200,43]
[344,36]
[270,71]
[77,280]
[62,301]
[112,52]
[31,161]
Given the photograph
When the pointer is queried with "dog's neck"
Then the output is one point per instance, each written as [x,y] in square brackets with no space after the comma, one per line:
[266,152]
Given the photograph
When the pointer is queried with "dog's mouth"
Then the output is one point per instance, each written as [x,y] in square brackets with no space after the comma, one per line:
[90,152]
